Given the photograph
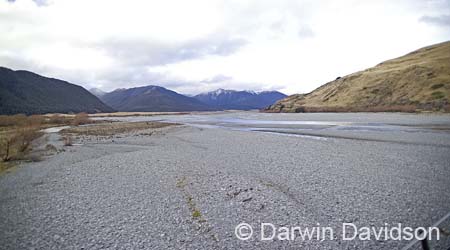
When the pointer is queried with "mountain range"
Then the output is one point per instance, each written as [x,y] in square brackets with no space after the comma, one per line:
[222,99]
[156,98]
[416,81]
[152,98]
[29,93]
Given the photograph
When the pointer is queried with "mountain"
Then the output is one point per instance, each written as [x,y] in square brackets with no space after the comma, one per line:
[97,92]
[29,93]
[419,80]
[152,98]
[242,100]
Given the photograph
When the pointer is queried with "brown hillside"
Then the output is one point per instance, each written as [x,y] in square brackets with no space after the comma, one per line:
[417,81]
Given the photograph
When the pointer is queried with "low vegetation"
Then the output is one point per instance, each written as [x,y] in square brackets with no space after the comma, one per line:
[196,214]
[17,132]
[109,129]
[18,142]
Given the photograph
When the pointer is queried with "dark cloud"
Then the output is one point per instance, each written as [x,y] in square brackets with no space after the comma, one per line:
[442,20]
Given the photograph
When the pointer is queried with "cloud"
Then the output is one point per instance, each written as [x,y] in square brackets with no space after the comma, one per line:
[442,20]
[151,53]
[305,32]
[196,46]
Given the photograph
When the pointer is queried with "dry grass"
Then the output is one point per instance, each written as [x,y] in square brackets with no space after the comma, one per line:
[5,165]
[81,119]
[419,81]
[16,134]
[15,144]
[58,119]
[12,120]
[18,131]
[7,122]
[114,128]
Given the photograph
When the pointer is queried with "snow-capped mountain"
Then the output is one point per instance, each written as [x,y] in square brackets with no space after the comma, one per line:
[242,100]
[152,98]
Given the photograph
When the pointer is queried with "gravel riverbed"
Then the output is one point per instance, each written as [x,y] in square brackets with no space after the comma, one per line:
[187,187]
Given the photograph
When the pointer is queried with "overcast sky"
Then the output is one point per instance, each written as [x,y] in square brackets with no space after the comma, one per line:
[194,46]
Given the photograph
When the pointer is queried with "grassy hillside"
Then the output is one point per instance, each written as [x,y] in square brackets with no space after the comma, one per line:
[417,81]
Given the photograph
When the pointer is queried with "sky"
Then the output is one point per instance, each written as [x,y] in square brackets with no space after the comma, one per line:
[293,46]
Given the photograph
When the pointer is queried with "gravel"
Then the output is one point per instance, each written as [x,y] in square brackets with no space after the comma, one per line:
[189,187]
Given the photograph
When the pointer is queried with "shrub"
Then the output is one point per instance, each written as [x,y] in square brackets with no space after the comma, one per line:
[57,119]
[6,148]
[26,136]
[80,119]
[17,143]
